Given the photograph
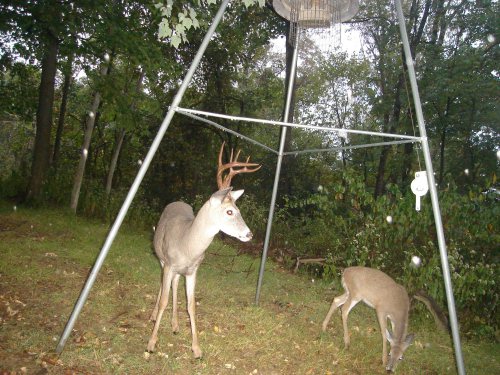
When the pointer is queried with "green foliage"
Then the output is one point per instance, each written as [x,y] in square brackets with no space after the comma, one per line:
[177,18]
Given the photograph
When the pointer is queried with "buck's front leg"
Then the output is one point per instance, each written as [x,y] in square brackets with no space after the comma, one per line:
[163,302]
[190,284]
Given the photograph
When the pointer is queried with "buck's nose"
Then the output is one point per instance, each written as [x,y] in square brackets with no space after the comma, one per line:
[249,235]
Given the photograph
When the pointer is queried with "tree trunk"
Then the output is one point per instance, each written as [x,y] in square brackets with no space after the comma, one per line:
[41,150]
[384,155]
[442,142]
[119,140]
[62,112]
[114,160]
[89,128]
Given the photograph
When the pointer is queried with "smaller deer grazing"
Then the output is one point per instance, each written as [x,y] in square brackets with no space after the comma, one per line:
[181,239]
[389,299]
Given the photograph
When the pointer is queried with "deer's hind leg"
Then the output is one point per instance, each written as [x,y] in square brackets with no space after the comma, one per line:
[346,308]
[163,302]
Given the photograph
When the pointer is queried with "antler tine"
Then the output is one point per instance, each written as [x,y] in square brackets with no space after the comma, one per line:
[235,160]
[225,182]
[220,168]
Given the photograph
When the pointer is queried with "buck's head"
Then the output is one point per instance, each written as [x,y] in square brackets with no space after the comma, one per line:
[397,350]
[228,216]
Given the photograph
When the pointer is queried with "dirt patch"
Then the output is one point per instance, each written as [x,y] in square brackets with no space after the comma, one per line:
[14,227]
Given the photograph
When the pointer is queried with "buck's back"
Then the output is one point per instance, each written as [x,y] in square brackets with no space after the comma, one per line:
[174,221]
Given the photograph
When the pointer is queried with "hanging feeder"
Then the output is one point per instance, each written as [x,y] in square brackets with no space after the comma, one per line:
[316,14]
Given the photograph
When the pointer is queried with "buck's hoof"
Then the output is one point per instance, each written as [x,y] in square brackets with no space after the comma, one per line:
[153,315]
[197,353]
[151,346]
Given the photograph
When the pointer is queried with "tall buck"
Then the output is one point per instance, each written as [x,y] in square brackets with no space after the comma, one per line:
[181,239]
[389,299]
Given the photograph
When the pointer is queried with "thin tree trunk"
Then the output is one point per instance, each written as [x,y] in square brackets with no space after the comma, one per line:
[68,78]
[114,160]
[469,155]
[384,155]
[41,151]
[442,143]
[119,140]
[89,128]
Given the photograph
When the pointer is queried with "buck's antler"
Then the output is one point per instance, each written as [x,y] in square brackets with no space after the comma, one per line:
[225,182]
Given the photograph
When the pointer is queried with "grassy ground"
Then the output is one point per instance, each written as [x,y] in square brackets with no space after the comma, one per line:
[45,257]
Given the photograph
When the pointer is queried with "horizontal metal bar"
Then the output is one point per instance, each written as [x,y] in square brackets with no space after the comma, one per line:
[300,126]
[223,128]
[350,147]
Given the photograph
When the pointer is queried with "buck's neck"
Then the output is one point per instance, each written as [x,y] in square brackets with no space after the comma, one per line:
[202,231]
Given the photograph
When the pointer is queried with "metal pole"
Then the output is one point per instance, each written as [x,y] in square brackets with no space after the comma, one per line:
[433,191]
[138,179]
[277,173]
[299,126]
[230,131]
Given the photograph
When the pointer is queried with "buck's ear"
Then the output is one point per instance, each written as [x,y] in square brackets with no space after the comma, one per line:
[236,194]
[217,197]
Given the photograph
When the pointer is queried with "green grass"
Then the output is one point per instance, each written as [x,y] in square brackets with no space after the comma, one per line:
[46,255]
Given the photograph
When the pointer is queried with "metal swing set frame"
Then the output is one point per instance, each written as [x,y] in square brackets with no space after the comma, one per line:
[280,153]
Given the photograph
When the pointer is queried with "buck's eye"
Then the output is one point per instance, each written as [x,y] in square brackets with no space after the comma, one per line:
[229,212]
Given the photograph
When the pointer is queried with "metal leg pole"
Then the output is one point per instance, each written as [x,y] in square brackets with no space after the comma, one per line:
[138,179]
[433,192]
[277,173]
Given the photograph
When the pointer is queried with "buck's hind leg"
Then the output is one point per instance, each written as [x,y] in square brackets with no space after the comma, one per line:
[175,318]
[152,317]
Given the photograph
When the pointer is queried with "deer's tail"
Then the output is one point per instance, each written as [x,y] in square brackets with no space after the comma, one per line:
[437,312]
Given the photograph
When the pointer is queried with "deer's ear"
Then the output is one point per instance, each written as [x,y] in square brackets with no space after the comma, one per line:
[218,197]
[236,194]
[389,336]
[409,339]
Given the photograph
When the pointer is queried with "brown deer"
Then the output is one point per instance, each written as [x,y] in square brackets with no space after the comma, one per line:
[181,239]
[389,299]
